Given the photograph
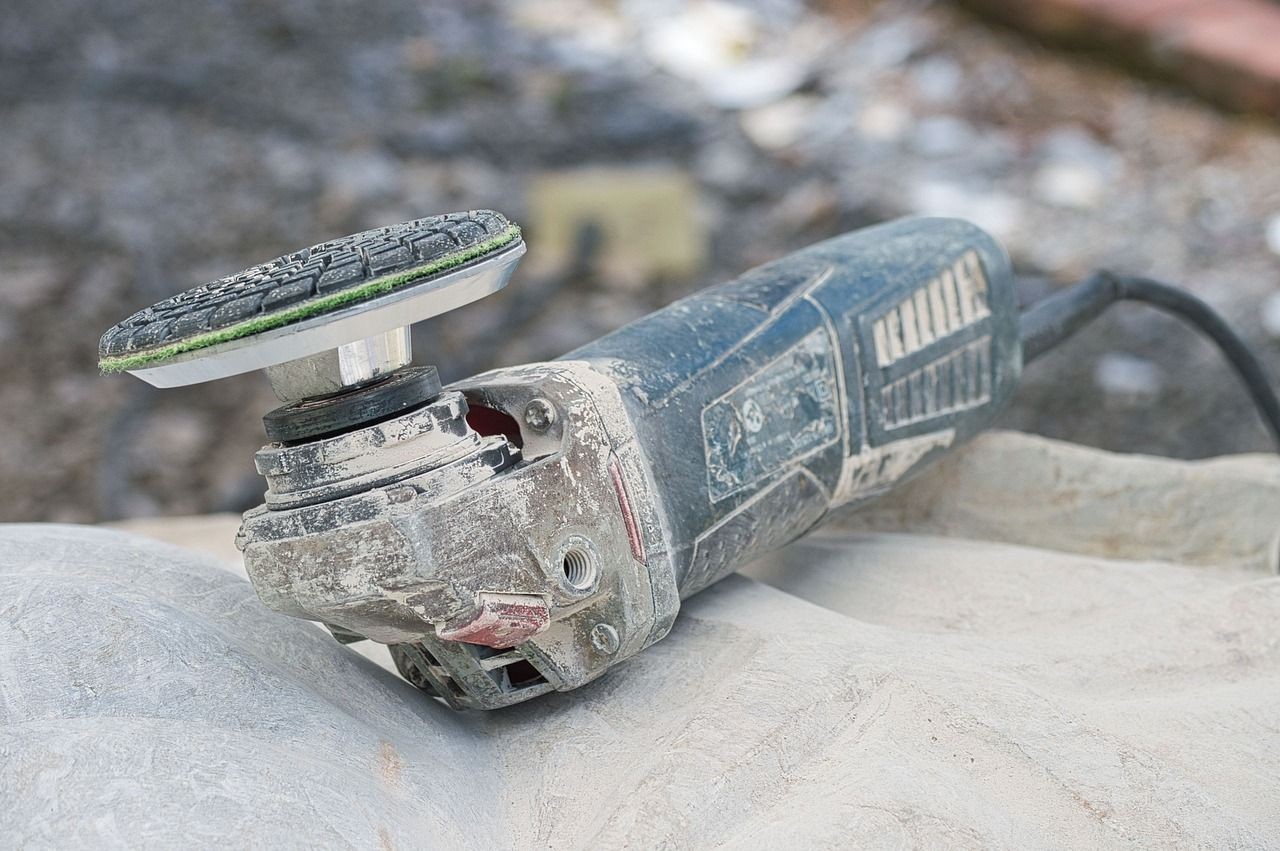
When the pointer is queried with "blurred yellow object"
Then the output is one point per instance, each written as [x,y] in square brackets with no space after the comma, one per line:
[646,221]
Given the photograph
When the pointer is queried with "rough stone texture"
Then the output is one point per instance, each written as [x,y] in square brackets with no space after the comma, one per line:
[1019,489]
[881,689]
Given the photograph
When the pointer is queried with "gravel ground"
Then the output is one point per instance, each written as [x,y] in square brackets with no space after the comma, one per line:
[147,148]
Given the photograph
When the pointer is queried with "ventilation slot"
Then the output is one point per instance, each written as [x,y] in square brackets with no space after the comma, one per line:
[508,669]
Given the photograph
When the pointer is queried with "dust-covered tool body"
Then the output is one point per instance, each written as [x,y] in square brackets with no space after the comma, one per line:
[526,529]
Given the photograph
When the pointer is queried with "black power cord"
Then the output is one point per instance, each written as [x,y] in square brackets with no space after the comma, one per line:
[1047,323]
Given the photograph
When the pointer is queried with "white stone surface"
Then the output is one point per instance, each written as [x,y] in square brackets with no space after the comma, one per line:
[1271,315]
[1120,374]
[1273,234]
[1101,671]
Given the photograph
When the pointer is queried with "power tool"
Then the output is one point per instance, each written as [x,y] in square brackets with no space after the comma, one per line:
[524,530]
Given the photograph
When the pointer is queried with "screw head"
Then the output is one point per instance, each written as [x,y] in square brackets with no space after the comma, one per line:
[605,638]
[539,415]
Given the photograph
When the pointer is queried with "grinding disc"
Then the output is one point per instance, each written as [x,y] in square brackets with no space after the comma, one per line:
[316,299]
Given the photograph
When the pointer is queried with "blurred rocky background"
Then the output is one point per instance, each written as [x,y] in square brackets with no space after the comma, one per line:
[649,147]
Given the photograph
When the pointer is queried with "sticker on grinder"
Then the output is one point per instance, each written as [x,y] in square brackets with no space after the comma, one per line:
[781,414]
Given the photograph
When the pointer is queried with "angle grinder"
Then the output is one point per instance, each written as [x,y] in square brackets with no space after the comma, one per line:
[524,530]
